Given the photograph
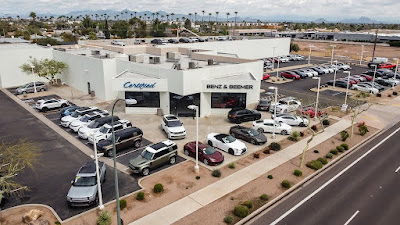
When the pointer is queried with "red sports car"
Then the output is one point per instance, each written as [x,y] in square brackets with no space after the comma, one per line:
[266,76]
[368,77]
[387,65]
[310,111]
[207,154]
[290,75]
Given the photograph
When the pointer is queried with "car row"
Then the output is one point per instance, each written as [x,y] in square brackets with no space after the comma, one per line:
[30,88]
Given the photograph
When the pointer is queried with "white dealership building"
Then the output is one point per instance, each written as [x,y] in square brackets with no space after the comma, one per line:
[216,76]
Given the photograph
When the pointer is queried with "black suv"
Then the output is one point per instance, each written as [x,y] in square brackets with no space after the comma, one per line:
[157,41]
[263,105]
[123,139]
[242,115]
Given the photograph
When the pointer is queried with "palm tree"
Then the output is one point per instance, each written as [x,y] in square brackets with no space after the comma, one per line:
[162,18]
[190,14]
[140,17]
[131,15]
[209,14]
[195,17]
[126,14]
[135,13]
[33,15]
[167,17]
[145,16]
[202,18]
[172,16]
[216,19]
[153,15]
[227,18]
[157,14]
[17,17]
[235,19]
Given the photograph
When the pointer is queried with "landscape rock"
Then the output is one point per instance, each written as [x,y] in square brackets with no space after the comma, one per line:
[39,222]
[32,215]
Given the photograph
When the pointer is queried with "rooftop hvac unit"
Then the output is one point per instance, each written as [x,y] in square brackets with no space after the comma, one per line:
[192,65]
[154,60]
[95,52]
[62,49]
[210,62]
[109,56]
[136,58]
[177,66]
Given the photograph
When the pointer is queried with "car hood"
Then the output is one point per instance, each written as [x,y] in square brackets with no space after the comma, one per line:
[68,118]
[138,161]
[87,130]
[78,123]
[236,145]
[261,137]
[285,126]
[176,129]
[82,192]
[104,143]
[215,157]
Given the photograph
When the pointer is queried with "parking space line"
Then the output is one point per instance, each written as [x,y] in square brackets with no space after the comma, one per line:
[134,150]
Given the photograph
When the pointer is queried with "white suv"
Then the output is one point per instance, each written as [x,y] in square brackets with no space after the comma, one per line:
[85,120]
[173,127]
[285,105]
[66,120]
[45,105]
[106,130]
[116,42]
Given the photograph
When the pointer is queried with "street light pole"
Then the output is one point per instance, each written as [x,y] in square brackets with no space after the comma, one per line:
[334,76]
[316,104]
[96,158]
[273,57]
[277,69]
[373,79]
[395,72]
[362,52]
[347,89]
[196,108]
[333,49]
[309,55]
[114,152]
[276,103]
[34,83]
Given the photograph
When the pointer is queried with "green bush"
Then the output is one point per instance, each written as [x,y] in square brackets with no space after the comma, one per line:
[294,136]
[334,151]
[329,156]
[241,211]
[140,196]
[270,177]
[228,219]
[379,95]
[363,130]
[122,204]
[344,134]
[326,122]
[298,173]
[275,146]
[395,93]
[340,148]
[316,151]
[323,160]
[57,223]
[345,146]
[216,173]
[248,204]
[264,197]
[104,218]
[315,164]
[232,165]
[158,188]
[286,184]
[314,128]
[197,177]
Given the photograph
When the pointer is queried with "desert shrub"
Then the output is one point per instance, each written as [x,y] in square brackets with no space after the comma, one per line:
[270,177]
[264,197]
[301,134]
[286,184]
[334,151]
[275,146]
[379,95]
[323,160]
[197,177]
[216,173]
[241,211]
[344,135]
[232,165]
[266,151]
[314,128]
[362,95]
[389,96]
[326,122]
[363,130]
[140,196]
[345,146]
[329,156]
[340,148]
[256,155]
[316,151]
[248,204]
[158,188]
[298,173]
[57,223]
[228,219]
[122,204]
[395,93]
[294,136]
[104,218]
[315,164]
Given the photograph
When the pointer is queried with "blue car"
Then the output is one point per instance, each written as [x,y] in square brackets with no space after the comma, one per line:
[68,110]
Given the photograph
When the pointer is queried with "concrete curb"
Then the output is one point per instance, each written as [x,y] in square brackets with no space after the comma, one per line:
[33,205]
[310,178]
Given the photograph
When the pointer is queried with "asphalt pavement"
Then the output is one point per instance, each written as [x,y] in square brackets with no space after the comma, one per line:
[367,193]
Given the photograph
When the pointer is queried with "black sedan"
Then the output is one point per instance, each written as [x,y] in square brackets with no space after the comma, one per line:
[339,83]
[243,115]
[263,105]
[248,134]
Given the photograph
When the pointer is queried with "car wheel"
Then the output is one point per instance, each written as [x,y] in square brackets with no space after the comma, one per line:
[284,132]
[186,152]
[294,78]
[110,153]
[44,109]
[137,143]
[69,204]
[105,177]
[96,201]
[24,93]
[253,141]
[301,124]
[172,160]
[63,105]
[145,171]
[230,151]
[260,130]
[210,143]
[205,161]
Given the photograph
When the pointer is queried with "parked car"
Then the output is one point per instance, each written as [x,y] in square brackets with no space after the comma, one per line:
[221,39]
[314,72]
[85,120]
[267,126]
[377,74]
[267,65]
[290,75]
[83,190]
[308,73]
[283,59]
[376,61]
[350,80]
[327,68]
[387,82]
[226,143]
[300,73]
[367,77]
[117,42]
[357,78]
[185,40]
[290,120]
[30,88]
[243,115]
[173,127]
[207,154]
[68,110]
[156,41]
[343,66]
[154,156]
[66,120]
[49,104]
[105,131]
[137,42]
[310,111]
[90,129]
[266,76]
[374,85]
[318,70]
[365,88]
[285,105]
[387,65]
[263,105]
[173,41]
[248,134]
[130,137]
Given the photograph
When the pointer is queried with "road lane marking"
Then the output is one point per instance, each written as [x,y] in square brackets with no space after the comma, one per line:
[352,217]
[397,170]
[332,179]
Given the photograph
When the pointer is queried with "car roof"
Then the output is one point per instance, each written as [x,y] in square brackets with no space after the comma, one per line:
[107,118]
[171,117]
[127,130]
[159,146]
[89,167]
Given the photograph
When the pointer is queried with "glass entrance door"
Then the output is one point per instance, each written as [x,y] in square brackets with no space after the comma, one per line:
[179,104]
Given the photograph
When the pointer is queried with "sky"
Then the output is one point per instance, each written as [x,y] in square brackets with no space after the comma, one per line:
[382,10]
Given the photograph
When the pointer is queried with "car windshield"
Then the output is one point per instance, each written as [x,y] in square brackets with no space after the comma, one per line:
[252,132]
[174,123]
[209,150]
[84,181]
[104,130]
[228,139]
[147,155]
[85,119]
[75,114]
[264,102]
[93,124]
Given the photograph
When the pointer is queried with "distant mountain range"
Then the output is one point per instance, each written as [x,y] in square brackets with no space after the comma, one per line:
[361,20]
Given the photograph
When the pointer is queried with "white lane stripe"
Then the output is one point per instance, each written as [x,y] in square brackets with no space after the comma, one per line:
[397,170]
[331,180]
[352,217]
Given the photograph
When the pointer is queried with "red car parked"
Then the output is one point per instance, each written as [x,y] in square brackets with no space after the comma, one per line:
[351,80]
[368,77]
[387,65]
[310,111]
[266,76]
[207,154]
[290,75]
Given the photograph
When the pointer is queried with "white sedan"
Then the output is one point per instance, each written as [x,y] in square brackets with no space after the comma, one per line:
[267,125]
[291,120]
[226,143]
[365,88]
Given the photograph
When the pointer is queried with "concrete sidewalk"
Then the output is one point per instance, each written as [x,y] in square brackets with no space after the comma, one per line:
[189,204]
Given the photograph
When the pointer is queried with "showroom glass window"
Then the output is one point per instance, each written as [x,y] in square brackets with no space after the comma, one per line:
[228,100]
[144,99]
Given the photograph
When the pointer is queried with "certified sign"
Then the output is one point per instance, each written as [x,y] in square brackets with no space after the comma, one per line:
[138,85]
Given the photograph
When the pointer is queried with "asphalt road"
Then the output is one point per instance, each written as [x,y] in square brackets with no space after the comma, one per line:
[57,164]
[365,194]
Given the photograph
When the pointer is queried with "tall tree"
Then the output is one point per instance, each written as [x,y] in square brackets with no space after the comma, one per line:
[135,13]
[172,16]
[33,15]
[157,14]
[235,18]
[121,28]
[202,18]
[47,68]
[216,18]
[153,14]
[195,17]
[227,18]
[190,15]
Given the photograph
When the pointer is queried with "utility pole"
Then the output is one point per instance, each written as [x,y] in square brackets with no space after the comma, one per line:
[376,37]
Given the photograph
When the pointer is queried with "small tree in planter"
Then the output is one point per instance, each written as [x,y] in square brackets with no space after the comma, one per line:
[355,112]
